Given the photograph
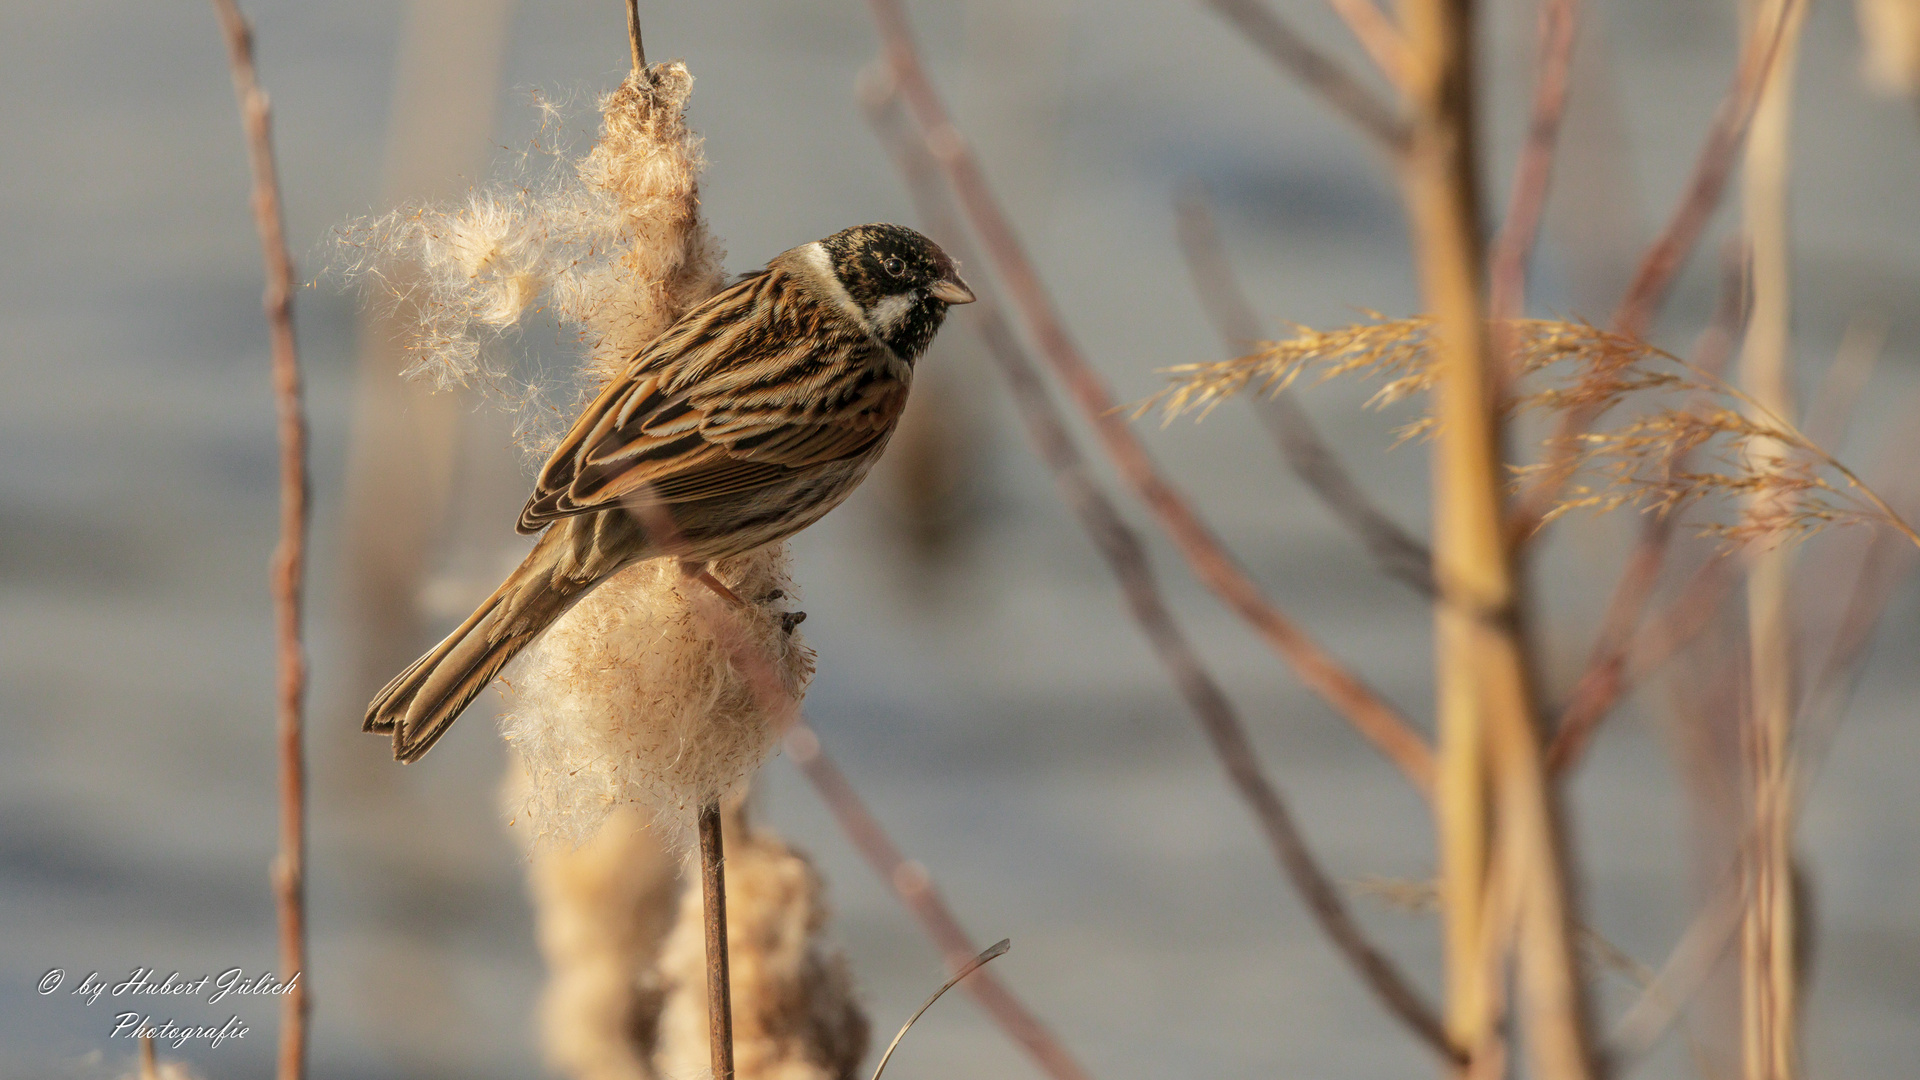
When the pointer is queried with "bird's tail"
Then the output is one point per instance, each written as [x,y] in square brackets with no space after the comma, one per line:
[421,702]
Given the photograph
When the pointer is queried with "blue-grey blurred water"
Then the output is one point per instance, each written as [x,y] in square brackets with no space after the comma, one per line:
[998,709]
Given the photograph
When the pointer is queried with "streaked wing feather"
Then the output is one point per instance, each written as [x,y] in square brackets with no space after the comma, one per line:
[708,410]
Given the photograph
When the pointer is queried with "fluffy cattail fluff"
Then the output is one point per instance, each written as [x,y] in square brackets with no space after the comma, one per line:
[794,1014]
[611,245]
[630,699]
[602,911]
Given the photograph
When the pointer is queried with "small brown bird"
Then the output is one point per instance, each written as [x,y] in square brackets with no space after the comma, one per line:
[747,420]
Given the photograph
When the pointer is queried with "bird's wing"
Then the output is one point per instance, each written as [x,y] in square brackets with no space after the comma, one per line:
[762,381]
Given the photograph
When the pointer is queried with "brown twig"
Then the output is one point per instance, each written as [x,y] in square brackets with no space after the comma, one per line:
[1520,230]
[289,560]
[915,888]
[1668,253]
[149,1067]
[634,44]
[1126,557]
[1626,653]
[1606,678]
[1319,72]
[1217,569]
[713,896]
[1397,553]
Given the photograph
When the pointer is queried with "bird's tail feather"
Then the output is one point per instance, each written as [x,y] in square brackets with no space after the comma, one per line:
[421,702]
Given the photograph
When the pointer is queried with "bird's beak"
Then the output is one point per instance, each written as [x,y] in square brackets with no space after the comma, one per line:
[952,290]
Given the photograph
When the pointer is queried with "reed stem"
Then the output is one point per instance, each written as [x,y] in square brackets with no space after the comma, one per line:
[713,890]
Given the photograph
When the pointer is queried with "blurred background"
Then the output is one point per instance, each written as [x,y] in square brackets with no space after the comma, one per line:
[979,680]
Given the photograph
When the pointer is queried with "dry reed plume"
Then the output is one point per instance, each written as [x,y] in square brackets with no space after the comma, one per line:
[1779,483]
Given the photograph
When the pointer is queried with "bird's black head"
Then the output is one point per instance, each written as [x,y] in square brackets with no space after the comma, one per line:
[900,279]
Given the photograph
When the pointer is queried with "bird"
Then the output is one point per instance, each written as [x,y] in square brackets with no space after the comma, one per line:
[745,421]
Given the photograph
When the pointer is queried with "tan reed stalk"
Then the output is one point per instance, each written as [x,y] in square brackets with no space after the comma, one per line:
[290,555]
[1768,974]
[1489,755]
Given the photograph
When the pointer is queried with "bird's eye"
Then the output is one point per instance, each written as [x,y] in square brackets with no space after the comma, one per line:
[893,265]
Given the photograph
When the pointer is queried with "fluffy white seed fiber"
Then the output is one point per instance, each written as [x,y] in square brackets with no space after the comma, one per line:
[630,700]
[611,245]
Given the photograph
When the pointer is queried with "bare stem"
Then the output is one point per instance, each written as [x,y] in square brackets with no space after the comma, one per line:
[1606,677]
[634,44]
[289,560]
[1492,776]
[1520,230]
[1126,557]
[1395,551]
[1321,74]
[1322,673]
[713,895]
[917,891]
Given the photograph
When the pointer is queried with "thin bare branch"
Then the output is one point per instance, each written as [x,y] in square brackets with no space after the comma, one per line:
[916,890]
[1397,552]
[1607,677]
[1377,33]
[1126,557]
[1686,968]
[1520,231]
[1321,74]
[634,44]
[1623,658]
[1322,673]
[290,556]
[1668,253]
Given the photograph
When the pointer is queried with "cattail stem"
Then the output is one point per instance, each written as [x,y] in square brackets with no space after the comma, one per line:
[634,44]
[713,889]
